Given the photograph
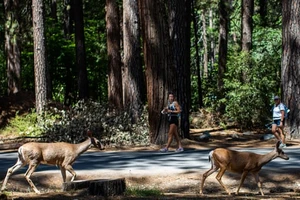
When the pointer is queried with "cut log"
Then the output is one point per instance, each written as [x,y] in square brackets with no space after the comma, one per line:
[103,187]
[76,185]
[107,187]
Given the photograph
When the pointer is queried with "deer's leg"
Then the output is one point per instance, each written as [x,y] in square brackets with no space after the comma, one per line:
[219,178]
[244,175]
[207,174]
[255,174]
[71,170]
[30,170]
[63,173]
[10,171]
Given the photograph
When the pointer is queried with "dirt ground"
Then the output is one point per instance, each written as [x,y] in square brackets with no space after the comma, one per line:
[178,186]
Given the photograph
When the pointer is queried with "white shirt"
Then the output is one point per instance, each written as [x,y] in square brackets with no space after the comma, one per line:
[277,111]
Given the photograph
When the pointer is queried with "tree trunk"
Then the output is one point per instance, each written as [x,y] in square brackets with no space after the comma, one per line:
[160,70]
[290,71]
[40,67]
[247,13]
[263,11]
[205,48]
[12,46]
[199,78]
[68,31]
[80,50]
[134,77]
[115,91]
[180,38]
[223,41]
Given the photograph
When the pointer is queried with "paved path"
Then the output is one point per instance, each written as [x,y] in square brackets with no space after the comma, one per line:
[149,162]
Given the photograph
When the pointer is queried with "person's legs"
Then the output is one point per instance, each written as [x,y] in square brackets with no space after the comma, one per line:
[170,135]
[175,133]
[281,133]
[275,132]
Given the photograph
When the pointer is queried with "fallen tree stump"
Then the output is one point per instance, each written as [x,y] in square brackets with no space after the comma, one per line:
[105,187]
[76,185]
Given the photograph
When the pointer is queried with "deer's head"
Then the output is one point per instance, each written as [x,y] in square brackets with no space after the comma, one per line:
[279,152]
[95,142]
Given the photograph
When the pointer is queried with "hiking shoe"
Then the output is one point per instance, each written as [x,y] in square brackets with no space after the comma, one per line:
[163,150]
[180,149]
[282,145]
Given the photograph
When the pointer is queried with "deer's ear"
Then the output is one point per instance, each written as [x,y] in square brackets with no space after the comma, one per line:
[89,133]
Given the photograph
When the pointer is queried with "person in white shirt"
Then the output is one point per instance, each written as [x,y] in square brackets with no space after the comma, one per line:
[278,121]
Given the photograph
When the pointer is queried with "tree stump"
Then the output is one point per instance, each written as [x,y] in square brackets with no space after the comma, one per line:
[107,187]
[76,185]
[103,187]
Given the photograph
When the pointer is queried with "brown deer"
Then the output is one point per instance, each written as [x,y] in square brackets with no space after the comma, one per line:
[239,162]
[60,154]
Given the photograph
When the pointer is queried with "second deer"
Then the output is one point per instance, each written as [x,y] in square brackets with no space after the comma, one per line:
[60,154]
[240,162]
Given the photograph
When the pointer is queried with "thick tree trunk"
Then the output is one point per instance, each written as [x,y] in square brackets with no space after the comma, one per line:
[68,30]
[223,40]
[134,77]
[247,13]
[160,70]
[12,46]
[80,50]
[290,71]
[115,91]
[40,67]
[180,38]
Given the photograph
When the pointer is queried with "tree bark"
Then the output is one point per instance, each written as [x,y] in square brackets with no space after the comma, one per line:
[40,67]
[68,31]
[115,91]
[290,71]
[247,24]
[134,77]
[12,46]
[160,70]
[80,50]
[180,38]
[223,42]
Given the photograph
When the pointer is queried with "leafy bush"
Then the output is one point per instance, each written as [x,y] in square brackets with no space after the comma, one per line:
[113,128]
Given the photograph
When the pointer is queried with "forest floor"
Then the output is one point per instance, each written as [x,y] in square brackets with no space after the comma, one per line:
[171,185]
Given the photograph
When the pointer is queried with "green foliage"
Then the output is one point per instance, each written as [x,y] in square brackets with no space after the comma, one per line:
[30,124]
[250,81]
[142,192]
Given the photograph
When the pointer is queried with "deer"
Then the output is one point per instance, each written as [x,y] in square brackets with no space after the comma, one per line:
[239,162]
[61,154]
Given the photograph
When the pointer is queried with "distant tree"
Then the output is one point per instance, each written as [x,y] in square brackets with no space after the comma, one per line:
[133,72]
[115,92]
[247,24]
[223,43]
[290,71]
[180,18]
[40,67]
[12,45]
[80,50]
[160,71]
[68,31]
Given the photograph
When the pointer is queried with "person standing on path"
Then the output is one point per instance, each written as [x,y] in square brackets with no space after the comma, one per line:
[278,121]
[173,111]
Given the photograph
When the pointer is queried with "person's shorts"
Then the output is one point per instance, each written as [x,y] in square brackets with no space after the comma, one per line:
[277,122]
[173,120]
